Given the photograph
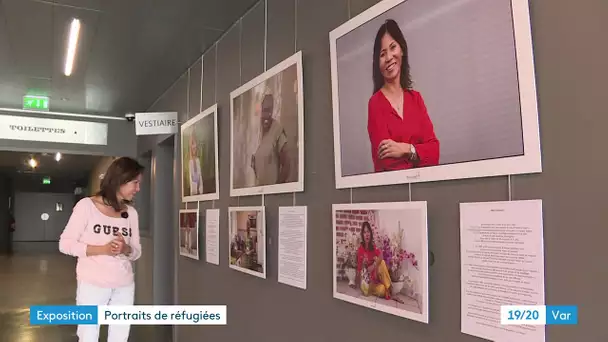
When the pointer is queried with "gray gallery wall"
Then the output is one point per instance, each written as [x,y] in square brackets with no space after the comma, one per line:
[570,53]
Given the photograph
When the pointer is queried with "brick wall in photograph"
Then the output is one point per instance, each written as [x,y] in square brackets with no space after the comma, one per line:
[348,222]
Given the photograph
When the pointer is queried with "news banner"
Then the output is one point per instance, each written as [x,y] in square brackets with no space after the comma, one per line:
[216,314]
[130,314]
[538,314]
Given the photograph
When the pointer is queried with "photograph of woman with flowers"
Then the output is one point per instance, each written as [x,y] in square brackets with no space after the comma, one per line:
[188,233]
[247,243]
[380,257]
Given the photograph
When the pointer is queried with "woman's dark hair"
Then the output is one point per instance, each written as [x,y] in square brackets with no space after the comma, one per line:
[120,172]
[392,28]
[365,225]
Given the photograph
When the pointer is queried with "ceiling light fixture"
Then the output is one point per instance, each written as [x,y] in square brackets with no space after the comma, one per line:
[72,43]
[57,156]
[33,163]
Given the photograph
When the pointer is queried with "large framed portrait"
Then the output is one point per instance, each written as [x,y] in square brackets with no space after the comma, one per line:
[380,257]
[267,132]
[434,90]
[188,233]
[199,146]
[247,247]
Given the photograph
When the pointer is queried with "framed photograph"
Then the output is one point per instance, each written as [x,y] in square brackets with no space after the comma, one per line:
[188,233]
[427,91]
[381,257]
[199,146]
[247,246]
[267,132]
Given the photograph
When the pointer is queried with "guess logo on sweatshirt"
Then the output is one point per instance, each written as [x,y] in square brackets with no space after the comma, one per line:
[110,230]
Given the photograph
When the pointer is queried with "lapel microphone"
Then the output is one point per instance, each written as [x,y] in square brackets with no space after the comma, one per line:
[124,214]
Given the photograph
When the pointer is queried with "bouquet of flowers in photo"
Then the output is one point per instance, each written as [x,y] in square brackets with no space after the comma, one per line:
[349,251]
[395,255]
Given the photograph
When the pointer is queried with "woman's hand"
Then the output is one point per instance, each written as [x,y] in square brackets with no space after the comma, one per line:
[119,246]
[93,250]
[374,264]
[106,249]
[116,246]
[391,149]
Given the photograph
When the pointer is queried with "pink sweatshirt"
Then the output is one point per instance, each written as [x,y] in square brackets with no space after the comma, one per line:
[89,226]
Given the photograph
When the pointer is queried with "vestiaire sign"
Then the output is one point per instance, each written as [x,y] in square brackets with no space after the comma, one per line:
[155,123]
[53,130]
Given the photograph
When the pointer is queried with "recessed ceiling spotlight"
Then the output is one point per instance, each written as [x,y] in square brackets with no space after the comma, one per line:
[33,163]
[57,156]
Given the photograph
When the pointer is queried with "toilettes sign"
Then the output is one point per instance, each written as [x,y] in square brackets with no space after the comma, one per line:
[155,123]
[53,130]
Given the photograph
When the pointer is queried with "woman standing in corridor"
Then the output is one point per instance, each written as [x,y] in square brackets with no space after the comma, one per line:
[103,233]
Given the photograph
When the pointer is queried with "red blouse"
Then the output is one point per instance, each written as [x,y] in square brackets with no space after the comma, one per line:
[363,253]
[415,128]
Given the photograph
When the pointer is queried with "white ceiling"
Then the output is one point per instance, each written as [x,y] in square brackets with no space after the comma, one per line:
[129,51]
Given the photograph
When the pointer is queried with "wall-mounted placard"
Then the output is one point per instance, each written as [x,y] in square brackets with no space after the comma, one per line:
[156,123]
[53,130]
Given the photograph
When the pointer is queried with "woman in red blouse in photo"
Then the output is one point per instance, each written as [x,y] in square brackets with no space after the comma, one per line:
[400,130]
[369,258]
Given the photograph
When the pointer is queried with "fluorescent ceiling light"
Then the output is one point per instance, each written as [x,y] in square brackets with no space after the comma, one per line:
[58,156]
[72,43]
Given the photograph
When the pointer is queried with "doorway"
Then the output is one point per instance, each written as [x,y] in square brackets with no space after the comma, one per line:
[42,216]
[163,221]
[42,189]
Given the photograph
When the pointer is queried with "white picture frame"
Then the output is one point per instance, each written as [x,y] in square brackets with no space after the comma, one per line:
[414,305]
[187,251]
[209,113]
[260,234]
[529,162]
[297,185]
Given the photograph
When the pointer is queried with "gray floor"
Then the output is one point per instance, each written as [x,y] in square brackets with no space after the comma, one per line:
[43,279]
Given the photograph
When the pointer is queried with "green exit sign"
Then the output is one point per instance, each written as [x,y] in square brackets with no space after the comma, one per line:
[35,102]
[46,180]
